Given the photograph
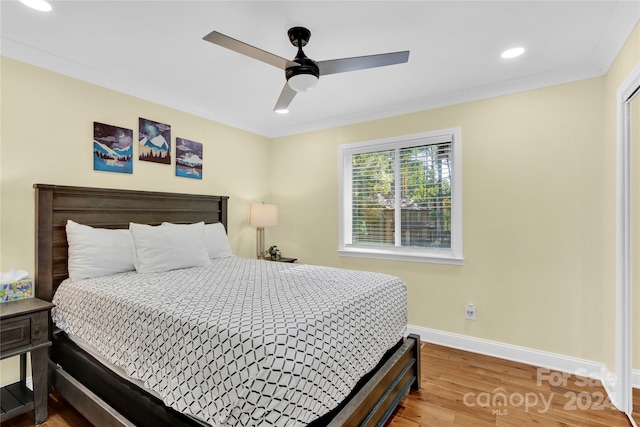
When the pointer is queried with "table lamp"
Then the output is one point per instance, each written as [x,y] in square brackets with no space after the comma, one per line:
[262,215]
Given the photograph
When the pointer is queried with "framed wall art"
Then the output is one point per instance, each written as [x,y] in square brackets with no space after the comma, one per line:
[112,148]
[188,158]
[154,141]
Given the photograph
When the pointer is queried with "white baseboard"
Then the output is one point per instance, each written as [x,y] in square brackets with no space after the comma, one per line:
[542,359]
[635,378]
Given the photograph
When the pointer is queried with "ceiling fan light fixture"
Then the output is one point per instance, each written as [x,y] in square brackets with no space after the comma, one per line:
[303,82]
[282,111]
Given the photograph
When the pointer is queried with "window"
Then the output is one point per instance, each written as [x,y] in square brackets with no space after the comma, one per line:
[400,198]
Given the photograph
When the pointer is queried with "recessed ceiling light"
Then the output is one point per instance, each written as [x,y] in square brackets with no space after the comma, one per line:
[512,53]
[282,111]
[41,5]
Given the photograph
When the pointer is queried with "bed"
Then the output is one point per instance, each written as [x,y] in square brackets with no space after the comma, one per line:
[108,399]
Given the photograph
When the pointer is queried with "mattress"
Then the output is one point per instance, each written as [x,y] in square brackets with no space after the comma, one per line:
[241,342]
[87,348]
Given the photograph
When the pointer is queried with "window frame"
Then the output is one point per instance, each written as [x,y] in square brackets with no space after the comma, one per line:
[415,254]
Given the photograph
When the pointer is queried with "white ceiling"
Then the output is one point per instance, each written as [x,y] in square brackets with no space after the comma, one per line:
[154,50]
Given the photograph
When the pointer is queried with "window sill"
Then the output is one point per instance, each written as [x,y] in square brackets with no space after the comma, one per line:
[410,256]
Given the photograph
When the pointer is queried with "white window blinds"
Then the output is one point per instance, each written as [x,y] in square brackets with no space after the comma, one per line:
[422,178]
[425,205]
[399,196]
[373,198]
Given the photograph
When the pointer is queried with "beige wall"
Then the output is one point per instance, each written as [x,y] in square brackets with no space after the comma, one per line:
[538,213]
[532,213]
[47,134]
[538,196]
[46,137]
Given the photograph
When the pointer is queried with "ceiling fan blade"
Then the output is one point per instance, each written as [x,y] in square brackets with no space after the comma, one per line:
[246,49]
[343,65]
[286,96]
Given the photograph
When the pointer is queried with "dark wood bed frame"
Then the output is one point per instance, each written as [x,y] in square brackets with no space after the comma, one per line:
[107,400]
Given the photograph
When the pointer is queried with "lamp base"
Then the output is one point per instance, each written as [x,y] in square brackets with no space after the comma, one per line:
[260,242]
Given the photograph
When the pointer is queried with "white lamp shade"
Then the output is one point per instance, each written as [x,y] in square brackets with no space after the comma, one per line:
[303,82]
[263,215]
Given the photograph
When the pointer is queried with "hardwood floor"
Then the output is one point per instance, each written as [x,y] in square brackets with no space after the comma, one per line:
[61,414]
[467,389]
[464,389]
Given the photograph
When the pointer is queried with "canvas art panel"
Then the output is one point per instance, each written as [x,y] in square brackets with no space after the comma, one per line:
[112,148]
[154,141]
[188,158]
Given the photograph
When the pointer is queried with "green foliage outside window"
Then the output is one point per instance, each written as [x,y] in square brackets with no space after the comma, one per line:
[424,179]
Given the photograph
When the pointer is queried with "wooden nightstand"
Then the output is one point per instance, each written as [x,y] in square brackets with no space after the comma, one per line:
[24,327]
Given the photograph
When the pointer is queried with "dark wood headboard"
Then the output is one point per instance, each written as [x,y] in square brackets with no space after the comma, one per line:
[106,208]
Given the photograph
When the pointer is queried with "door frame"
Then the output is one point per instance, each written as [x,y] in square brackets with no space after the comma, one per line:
[623,351]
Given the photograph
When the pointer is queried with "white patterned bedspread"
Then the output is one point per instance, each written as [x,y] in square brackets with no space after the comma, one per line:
[241,342]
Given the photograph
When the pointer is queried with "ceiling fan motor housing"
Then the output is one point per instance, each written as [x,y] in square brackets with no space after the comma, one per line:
[307,66]
[304,77]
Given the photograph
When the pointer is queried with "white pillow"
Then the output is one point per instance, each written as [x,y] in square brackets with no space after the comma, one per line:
[168,248]
[215,239]
[98,251]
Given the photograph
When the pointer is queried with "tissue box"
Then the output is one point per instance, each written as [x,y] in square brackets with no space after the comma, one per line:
[21,289]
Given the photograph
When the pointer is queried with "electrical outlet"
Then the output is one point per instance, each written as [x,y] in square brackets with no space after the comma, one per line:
[470,312]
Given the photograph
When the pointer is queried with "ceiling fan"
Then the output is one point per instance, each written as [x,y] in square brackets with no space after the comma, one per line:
[302,73]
